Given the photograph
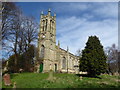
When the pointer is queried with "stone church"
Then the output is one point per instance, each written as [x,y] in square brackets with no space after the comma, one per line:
[51,56]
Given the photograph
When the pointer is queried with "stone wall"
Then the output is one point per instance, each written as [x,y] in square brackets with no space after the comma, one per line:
[54,57]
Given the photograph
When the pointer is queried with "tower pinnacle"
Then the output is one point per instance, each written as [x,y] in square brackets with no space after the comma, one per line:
[49,11]
[67,48]
[58,43]
[54,14]
[41,12]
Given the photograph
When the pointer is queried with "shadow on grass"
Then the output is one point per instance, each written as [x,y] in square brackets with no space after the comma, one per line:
[86,75]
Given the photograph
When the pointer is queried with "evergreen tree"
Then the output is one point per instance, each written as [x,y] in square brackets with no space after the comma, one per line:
[93,58]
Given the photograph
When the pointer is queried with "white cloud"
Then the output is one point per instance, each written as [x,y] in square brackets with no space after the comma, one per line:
[101,9]
[75,31]
[70,7]
[106,10]
[98,19]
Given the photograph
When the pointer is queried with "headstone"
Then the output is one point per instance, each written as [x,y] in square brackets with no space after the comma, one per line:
[20,70]
[5,69]
[80,77]
[116,74]
[110,74]
[6,79]
[31,69]
[51,76]
[14,85]
[38,68]
[35,68]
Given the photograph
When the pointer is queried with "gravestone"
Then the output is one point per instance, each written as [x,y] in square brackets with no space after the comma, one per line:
[38,68]
[20,70]
[31,69]
[14,85]
[7,80]
[50,75]
[81,78]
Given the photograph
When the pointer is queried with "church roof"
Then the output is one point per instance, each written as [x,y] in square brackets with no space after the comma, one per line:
[69,52]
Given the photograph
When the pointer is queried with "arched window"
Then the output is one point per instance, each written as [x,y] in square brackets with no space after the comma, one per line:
[42,51]
[43,25]
[64,63]
[50,25]
[46,25]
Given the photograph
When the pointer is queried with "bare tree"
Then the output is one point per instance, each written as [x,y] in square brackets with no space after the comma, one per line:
[31,29]
[8,15]
[28,33]
[14,36]
[112,59]
[18,31]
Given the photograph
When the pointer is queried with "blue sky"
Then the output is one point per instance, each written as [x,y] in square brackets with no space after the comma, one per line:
[76,21]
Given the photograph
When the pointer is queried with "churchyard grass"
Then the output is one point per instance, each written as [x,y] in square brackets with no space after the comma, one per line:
[62,80]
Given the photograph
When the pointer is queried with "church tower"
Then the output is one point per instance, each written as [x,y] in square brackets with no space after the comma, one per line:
[47,41]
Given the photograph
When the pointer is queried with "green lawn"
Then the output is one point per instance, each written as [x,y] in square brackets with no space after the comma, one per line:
[39,80]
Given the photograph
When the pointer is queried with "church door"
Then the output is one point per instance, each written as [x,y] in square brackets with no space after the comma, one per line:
[41,67]
[55,67]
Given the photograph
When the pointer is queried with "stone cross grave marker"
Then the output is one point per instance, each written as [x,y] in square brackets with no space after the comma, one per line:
[7,80]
